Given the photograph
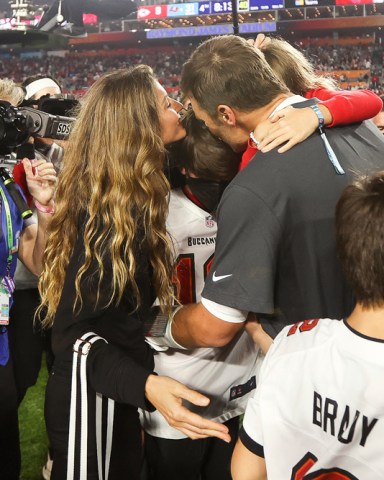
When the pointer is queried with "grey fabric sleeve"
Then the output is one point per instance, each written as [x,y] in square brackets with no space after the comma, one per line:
[243,273]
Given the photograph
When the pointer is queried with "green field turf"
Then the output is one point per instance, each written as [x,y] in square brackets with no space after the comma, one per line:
[33,437]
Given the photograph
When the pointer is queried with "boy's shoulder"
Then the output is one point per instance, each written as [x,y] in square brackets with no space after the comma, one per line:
[304,335]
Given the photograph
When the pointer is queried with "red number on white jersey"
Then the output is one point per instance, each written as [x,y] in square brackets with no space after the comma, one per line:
[186,274]
[304,326]
[306,463]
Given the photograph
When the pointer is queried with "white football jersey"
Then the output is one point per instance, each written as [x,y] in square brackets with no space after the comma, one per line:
[226,375]
[318,411]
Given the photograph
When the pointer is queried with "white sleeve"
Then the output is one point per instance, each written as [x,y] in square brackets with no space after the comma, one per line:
[228,314]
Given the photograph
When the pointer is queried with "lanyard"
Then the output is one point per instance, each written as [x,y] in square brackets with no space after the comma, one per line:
[9,228]
[331,154]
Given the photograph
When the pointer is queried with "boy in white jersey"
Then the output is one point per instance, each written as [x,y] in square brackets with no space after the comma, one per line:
[227,375]
[318,411]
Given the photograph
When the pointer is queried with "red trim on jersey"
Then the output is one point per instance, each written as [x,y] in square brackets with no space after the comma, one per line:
[193,199]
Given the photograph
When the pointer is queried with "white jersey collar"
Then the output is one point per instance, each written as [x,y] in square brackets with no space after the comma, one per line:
[287,102]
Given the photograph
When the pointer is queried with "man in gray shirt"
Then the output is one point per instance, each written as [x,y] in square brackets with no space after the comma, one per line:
[275,254]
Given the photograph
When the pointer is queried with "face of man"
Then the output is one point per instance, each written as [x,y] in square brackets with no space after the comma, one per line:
[225,130]
[379,121]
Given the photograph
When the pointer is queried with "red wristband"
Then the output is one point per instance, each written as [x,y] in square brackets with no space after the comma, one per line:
[43,209]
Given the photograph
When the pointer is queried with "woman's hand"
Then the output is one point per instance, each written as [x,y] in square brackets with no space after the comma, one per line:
[41,180]
[167,396]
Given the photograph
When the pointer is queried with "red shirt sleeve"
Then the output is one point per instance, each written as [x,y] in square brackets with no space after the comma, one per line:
[21,180]
[348,106]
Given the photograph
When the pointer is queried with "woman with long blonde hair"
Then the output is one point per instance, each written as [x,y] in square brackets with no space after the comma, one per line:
[108,257]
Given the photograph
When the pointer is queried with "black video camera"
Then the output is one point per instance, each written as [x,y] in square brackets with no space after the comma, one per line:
[17,124]
[63,104]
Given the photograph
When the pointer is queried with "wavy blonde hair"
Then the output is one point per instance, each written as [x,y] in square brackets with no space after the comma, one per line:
[113,171]
[293,68]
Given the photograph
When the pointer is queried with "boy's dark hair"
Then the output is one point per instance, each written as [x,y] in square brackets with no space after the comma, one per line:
[205,155]
[360,238]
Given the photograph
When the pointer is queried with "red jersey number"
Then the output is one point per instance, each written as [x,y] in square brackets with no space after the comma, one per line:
[306,463]
[186,275]
[304,326]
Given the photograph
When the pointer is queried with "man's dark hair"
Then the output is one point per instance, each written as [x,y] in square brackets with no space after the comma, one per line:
[205,155]
[227,70]
[360,238]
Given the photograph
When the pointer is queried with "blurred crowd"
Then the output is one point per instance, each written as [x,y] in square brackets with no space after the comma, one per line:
[78,71]
[346,57]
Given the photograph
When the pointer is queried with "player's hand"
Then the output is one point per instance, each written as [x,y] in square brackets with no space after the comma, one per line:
[167,396]
[260,41]
[257,333]
[287,127]
[41,180]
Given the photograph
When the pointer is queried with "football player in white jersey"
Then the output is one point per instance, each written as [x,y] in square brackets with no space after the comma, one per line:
[226,375]
[318,411]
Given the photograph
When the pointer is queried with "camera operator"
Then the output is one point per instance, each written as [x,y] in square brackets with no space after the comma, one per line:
[28,344]
[38,87]
[24,239]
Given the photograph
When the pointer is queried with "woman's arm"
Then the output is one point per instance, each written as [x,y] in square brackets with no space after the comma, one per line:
[348,106]
[122,369]
[41,181]
[291,126]
[167,396]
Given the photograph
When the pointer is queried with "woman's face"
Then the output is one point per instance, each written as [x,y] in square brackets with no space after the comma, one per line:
[171,127]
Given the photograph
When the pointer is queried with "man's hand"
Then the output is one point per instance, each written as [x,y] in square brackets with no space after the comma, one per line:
[41,180]
[167,396]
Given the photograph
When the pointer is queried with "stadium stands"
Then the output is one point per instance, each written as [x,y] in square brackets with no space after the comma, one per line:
[354,66]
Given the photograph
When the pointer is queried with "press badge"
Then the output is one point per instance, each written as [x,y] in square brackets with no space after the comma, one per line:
[4,303]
